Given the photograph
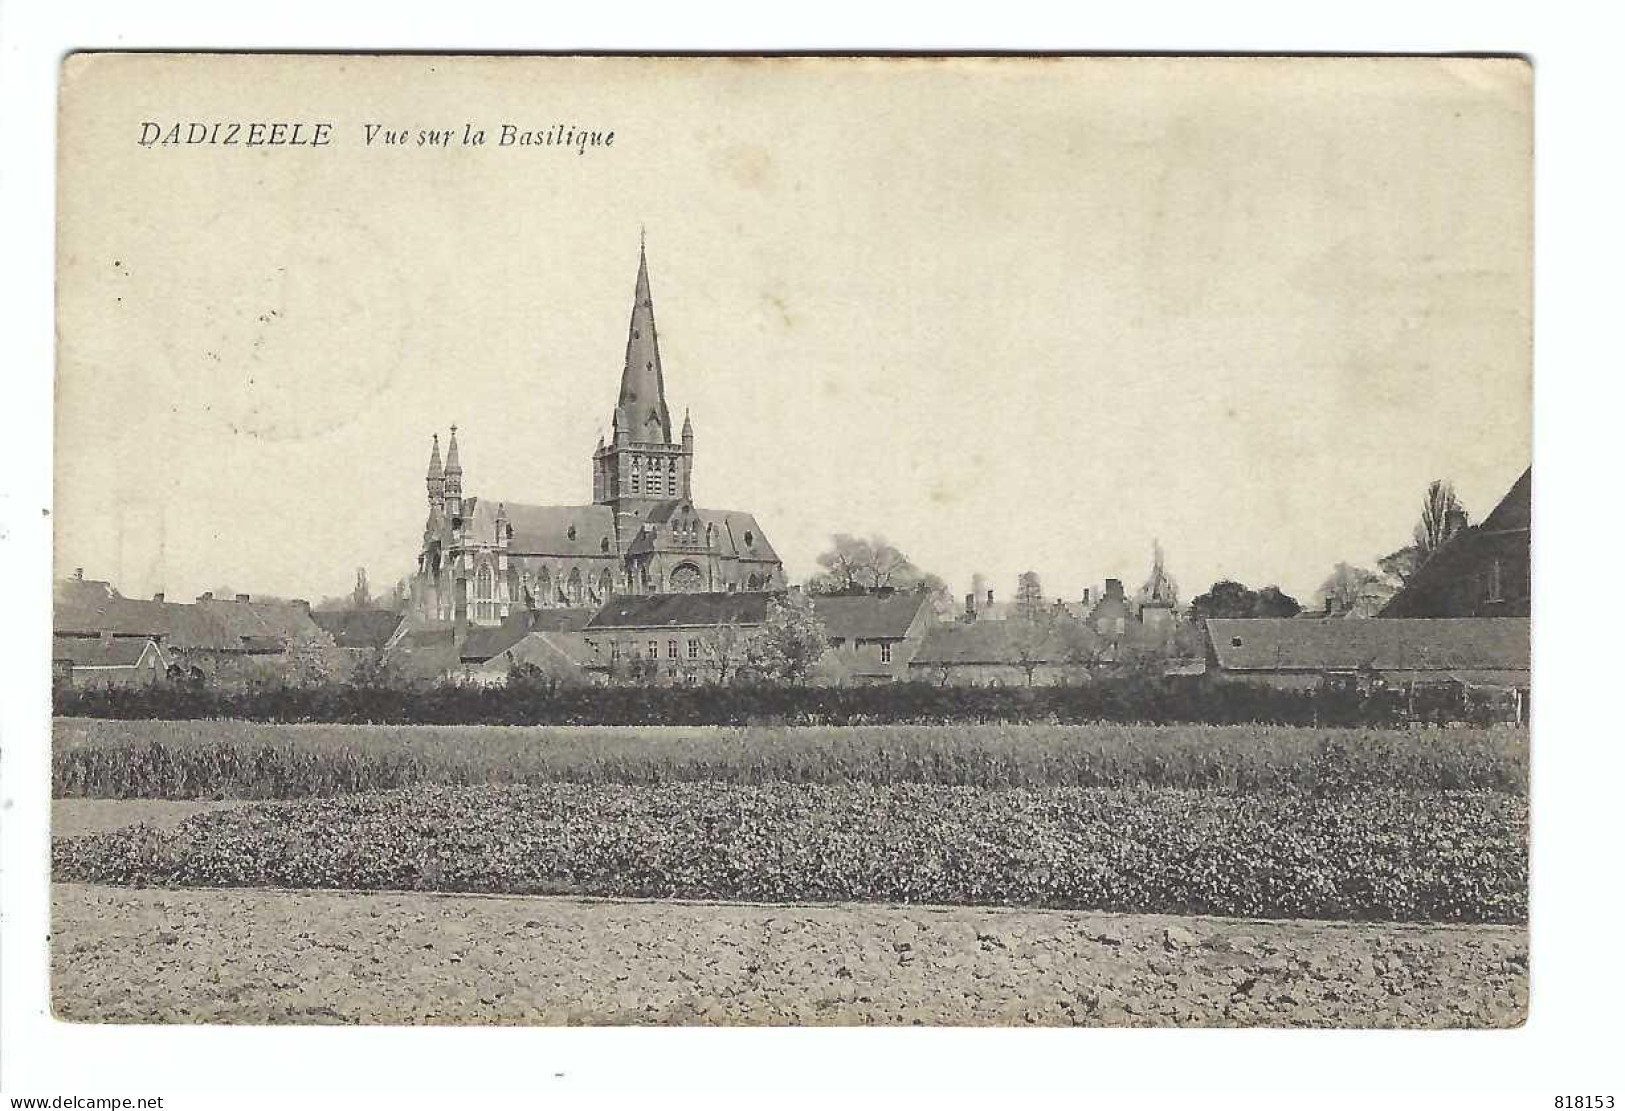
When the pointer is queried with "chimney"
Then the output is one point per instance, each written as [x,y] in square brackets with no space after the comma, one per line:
[206,596]
[158,597]
[1088,595]
[242,597]
[78,574]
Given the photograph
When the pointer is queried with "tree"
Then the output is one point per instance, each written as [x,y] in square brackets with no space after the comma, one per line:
[1273,602]
[1352,590]
[310,660]
[1442,517]
[360,594]
[726,651]
[1225,598]
[854,564]
[1228,598]
[790,641]
[1030,634]
[1029,596]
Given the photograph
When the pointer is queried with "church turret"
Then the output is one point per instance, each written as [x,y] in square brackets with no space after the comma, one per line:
[688,457]
[454,478]
[642,402]
[436,478]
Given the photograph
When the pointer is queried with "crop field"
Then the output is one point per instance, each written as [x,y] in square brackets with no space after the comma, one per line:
[237,759]
[1383,854]
[1357,877]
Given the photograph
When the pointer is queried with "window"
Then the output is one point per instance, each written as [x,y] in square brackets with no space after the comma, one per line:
[1235,642]
[637,476]
[671,649]
[750,538]
[654,649]
[484,591]
[614,649]
[671,479]
[593,644]
[885,651]
[693,649]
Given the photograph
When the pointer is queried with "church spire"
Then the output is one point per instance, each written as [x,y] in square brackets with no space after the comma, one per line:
[436,478]
[641,408]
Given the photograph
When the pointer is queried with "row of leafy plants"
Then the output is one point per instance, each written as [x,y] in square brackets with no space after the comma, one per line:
[1126,698]
[1378,855]
[239,759]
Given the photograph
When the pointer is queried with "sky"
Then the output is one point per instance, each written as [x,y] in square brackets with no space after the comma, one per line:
[1010,314]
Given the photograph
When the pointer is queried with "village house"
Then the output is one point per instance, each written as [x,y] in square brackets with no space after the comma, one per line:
[873,637]
[1005,653]
[674,638]
[107,661]
[229,640]
[1469,653]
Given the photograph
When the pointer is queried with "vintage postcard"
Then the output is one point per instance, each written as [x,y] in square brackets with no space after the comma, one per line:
[792,540]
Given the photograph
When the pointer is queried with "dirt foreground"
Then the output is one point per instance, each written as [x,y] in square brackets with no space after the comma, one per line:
[259,956]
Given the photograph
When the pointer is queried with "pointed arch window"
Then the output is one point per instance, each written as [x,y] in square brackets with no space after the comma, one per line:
[574,588]
[485,608]
[671,478]
[544,587]
[637,475]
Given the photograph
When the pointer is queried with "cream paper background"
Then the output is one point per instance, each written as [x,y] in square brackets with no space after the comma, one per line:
[1011,313]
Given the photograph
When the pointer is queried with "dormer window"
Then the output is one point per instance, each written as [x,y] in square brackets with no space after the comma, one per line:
[571,532]
[750,538]
[1235,642]
[603,545]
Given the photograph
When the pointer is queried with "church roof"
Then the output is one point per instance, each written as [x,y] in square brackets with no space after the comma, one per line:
[642,402]
[546,529]
[679,610]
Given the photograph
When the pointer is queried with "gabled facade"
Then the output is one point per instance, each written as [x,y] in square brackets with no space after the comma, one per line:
[1482,571]
[484,559]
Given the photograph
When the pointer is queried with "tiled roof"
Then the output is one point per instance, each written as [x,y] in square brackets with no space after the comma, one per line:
[1514,510]
[992,642]
[278,621]
[358,628]
[676,610]
[545,529]
[95,652]
[1382,644]
[549,651]
[869,616]
[485,641]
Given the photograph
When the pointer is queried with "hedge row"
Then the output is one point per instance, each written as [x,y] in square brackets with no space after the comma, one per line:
[1129,698]
[238,759]
[1388,855]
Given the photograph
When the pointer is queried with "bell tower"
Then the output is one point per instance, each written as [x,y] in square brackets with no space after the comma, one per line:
[642,464]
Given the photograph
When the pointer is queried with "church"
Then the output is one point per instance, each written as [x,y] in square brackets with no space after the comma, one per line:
[486,558]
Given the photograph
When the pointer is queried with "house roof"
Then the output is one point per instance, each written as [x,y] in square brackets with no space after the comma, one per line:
[628,611]
[486,641]
[550,651]
[95,652]
[203,626]
[996,642]
[1468,644]
[358,628]
[869,616]
[269,621]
